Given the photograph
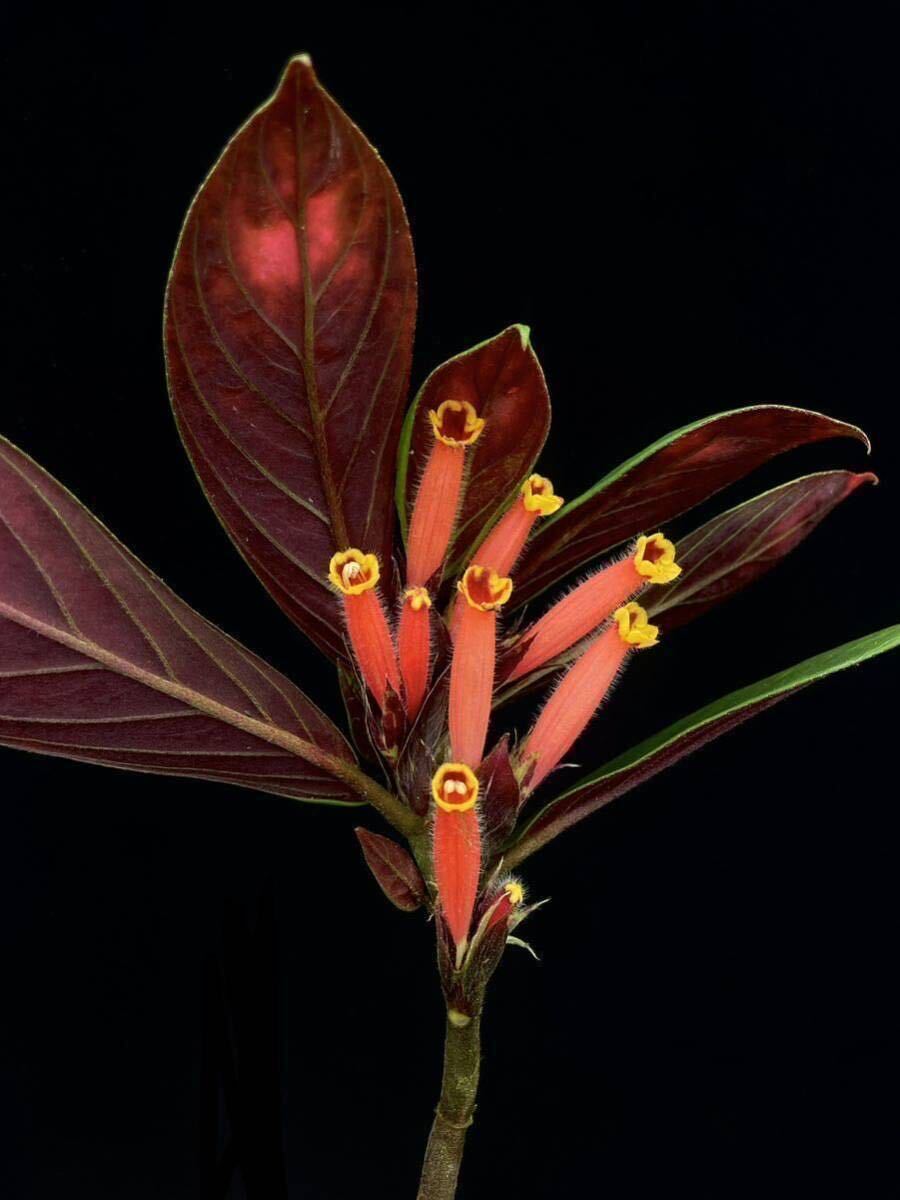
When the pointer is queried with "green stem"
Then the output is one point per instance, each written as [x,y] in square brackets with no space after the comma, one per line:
[391,808]
[455,1110]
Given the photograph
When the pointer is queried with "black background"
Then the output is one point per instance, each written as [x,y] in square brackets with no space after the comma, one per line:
[694,211]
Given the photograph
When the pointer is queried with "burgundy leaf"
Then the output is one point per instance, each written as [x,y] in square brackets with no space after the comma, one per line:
[734,549]
[446,957]
[664,749]
[289,322]
[503,380]
[482,961]
[667,478]
[358,712]
[100,661]
[395,871]
[425,747]
[501,796]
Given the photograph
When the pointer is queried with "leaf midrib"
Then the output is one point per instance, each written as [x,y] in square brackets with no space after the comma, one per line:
[197,700]
[317,416]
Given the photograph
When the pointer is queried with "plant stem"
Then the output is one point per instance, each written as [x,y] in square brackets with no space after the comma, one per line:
[391,808]
[455,1110]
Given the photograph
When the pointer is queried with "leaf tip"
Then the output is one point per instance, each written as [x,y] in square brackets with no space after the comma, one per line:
[524,332]
[854,431]
[299,64]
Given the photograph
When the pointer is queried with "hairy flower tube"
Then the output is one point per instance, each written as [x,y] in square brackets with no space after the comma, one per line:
[356,575]
[456,847]
[481,593]
[414,646]
[586,607]
[582,690]
[455,425]
[505,542]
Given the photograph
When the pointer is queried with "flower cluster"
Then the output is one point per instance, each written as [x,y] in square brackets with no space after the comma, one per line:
[592,630]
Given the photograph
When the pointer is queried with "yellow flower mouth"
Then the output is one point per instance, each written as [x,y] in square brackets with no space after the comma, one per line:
[634,628]
[454,787]
[456,423]
[417,598]
[654,559]
[353,572]
[485,589]
[539,497]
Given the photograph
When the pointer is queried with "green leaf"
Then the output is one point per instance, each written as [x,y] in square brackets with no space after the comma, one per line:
[663,749]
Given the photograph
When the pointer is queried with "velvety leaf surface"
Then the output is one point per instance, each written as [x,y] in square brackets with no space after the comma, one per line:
[656,753]
[100,661]
[289,323]
[503,380]
[734,549]
[395,871]
[669,477]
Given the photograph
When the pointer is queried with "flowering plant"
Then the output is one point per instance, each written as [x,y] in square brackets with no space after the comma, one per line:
[289,322]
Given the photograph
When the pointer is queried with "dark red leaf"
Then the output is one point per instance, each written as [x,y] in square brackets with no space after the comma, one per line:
[425,747]
[482,961]
[667,478]
[656,753]
[395,871]
[734,549]
[100,661]
[501,796]
[289,322]
[358,713]
[503,380]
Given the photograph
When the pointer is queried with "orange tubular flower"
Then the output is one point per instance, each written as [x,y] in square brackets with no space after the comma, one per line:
[457,847]
[356,575]
[504,543]
[582,689]
[587,606]
[456,425]
[482,592]
[414,646]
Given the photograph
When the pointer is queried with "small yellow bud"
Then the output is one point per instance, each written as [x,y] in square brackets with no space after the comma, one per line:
[418,598]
